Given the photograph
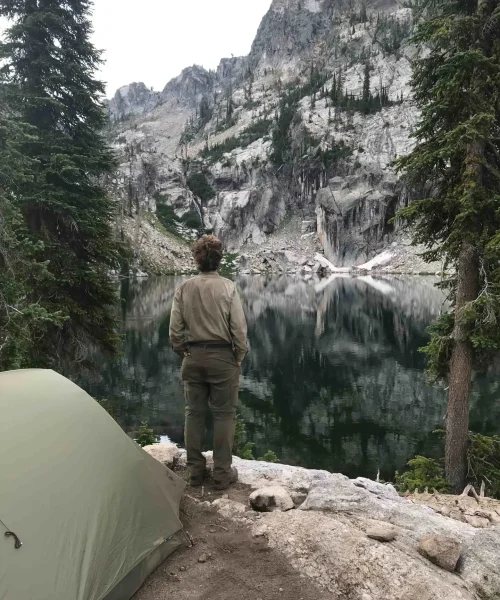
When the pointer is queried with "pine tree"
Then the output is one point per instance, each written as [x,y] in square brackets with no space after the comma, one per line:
[340,82]
[49,64]
[22,322]
[456,167]
[366,89]
[333,94]
[363,17]
[205,111]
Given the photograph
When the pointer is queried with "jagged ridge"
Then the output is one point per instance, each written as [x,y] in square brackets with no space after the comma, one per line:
[221,123]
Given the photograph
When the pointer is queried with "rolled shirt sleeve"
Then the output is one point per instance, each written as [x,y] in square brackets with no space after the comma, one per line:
[177,327]
[238,325]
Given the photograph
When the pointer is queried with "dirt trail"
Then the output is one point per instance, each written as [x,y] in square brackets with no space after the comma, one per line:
[238,566]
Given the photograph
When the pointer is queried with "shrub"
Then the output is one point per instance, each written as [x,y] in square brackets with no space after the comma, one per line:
[167,217]
[252,133]
[240,434]
[423,472]
[198,184]
[228,264]
[270,457]
[191,219]
[483,457]
[146,436]
[484,463]
[245,449]
[170,221]
[255,131]
[216,152]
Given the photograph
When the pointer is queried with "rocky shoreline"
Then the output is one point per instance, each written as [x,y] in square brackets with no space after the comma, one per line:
[359,539]
[293,250]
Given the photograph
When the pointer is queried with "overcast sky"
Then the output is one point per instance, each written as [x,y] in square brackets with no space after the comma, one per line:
[153,40]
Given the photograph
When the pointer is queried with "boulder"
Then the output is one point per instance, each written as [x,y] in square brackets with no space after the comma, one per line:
[230,509]
[168,454]
[381,533]
[270,499]
[441,550]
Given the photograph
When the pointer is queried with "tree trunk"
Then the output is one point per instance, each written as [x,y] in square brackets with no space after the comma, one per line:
[460,384]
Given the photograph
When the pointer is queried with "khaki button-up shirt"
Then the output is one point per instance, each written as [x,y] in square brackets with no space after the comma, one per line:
[208,308]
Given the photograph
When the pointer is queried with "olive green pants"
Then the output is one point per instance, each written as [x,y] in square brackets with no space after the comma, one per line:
[211,379]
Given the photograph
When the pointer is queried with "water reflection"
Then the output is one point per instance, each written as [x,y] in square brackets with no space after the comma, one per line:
[334,378]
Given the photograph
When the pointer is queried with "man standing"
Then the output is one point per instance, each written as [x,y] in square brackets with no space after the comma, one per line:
[208,329]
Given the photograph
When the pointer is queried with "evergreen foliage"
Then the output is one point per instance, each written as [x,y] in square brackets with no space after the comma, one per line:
[171,222]
[146,436]
[484,463]
[281,137]
[391,32]
[270,457]
[286,150]
[422,472]
[456,167]
[197,122]
[22,319]
[368,103]
[252,133]
[366,88]
[483,466]
[55,210]
[255,131]
[198,184]
[363,16]
[215,152]
[205,111]
[244,448]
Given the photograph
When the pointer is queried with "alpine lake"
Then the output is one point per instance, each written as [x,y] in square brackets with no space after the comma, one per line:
[334,379]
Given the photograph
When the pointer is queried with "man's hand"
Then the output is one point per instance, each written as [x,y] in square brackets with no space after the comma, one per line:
[239,364]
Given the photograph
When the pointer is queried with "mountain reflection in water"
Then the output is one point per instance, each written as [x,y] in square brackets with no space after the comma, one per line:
[334,379]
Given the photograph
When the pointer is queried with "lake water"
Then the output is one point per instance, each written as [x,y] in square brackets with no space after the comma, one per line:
[334,378]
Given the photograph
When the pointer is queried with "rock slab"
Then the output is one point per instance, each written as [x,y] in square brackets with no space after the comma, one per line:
[441,550]
[271,499]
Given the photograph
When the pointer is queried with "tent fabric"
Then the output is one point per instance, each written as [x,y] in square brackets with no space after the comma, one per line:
[94,512]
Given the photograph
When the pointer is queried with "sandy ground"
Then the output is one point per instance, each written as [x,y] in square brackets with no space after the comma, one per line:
[238,566]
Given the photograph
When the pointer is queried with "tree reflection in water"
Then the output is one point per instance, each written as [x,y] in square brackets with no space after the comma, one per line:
[334,378]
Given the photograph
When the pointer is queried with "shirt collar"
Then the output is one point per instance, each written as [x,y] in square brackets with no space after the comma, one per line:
[209,274]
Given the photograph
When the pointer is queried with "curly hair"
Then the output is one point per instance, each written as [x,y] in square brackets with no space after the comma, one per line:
[207,253]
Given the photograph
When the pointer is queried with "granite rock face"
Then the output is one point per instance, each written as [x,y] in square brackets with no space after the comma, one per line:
[220,123]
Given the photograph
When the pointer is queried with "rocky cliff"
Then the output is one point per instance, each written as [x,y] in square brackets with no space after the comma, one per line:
[306,126]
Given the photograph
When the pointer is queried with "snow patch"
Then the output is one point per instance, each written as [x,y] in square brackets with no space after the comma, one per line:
[377,261]
[324,262]
[379,285]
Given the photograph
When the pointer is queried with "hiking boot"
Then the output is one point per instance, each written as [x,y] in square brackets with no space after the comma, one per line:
[224,484]
[196,480]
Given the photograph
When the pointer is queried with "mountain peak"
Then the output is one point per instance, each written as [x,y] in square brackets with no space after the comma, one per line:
[132,99]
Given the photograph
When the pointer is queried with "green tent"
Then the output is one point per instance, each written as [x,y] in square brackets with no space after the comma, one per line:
[95,514]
